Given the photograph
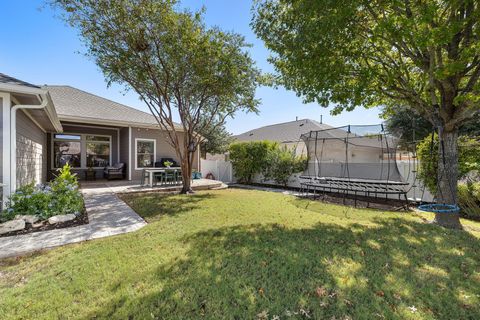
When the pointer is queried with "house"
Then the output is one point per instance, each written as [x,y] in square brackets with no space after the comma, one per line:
[286,133]
[45,127]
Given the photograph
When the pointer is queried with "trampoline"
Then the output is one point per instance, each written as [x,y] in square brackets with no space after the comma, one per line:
[353,161]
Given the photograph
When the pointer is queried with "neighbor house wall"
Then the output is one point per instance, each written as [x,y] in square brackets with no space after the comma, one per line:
[163,148]
[31,151]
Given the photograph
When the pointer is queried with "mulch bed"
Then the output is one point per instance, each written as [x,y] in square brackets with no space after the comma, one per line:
[78,221]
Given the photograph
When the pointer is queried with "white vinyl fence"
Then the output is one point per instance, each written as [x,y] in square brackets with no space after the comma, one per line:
[220,169]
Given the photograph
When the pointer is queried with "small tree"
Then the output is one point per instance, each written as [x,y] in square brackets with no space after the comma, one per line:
[419,54]
[216,139]
[179,67]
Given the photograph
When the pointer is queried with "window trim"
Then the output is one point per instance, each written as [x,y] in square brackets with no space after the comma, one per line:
[83,148]
[154,152]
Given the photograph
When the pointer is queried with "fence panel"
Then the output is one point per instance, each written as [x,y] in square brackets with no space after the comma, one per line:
[221,170]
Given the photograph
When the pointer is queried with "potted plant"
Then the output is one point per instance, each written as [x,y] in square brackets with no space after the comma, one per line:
[167,164]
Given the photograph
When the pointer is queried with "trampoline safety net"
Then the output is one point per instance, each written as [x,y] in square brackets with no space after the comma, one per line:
[352,153]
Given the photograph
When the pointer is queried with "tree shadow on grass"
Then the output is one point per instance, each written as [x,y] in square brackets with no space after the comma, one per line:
[152,206]
[394,270]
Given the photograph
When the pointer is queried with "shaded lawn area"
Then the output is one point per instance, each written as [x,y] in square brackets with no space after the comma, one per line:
[243,254]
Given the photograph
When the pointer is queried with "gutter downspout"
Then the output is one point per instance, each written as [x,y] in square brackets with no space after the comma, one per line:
[13,137]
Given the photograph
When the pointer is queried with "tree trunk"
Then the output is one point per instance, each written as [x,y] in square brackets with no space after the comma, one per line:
[186,174]
[447,177]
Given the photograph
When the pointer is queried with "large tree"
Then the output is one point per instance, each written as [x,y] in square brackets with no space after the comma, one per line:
[177,65]
[421,54]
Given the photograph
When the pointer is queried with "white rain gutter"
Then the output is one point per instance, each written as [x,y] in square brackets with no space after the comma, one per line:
[13,136]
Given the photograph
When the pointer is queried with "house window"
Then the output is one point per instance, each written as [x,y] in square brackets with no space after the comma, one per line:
[98,151]
[67,149]
[144,153]
[81,150]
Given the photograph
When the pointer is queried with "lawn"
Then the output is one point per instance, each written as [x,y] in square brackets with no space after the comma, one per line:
[238,254]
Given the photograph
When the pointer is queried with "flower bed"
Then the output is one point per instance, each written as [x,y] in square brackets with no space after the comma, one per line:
[44,206]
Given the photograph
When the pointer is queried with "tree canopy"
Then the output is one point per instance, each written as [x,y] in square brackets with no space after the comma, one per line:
[178,66]
[424,55]
[217,139]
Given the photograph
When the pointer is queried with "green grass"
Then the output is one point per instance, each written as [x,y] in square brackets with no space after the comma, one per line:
[238,254]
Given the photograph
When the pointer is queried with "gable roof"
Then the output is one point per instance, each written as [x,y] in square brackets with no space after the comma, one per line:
[283,132]
[76,105]
[14,81]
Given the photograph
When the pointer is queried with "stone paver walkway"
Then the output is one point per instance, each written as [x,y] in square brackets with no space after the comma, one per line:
[107,214]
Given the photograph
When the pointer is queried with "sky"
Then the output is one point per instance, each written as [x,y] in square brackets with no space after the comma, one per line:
[37,47]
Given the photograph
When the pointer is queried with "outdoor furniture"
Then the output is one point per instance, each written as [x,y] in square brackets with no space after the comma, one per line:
[116,171]
[169,175]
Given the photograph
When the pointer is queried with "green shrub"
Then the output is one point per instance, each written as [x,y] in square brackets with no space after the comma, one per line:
[250,158]
[282,164]
[266,157]
[469,199]
[61,196]
[468,158]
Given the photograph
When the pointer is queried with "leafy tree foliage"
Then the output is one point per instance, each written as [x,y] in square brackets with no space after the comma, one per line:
[424,55]
[179,67]
[411,127]
[428,154]
[217,139]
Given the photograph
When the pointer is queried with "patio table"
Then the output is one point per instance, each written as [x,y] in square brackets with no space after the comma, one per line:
[151,172]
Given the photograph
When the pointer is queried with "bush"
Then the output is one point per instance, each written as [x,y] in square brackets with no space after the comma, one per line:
[266,157]
[250,158]
[61,196]
[468,158]
[469,199]
[282,164]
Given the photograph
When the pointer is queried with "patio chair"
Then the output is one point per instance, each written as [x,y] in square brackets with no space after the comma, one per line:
[116,171]
[170,176]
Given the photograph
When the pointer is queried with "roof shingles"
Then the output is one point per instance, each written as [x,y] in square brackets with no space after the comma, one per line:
[283,132]
[11,80]
[72,102]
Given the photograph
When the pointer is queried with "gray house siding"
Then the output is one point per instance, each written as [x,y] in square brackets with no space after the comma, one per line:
[163,148]
[124,145]
[31,151]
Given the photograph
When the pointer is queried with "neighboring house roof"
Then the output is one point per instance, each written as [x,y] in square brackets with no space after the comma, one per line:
[283,132]
[73,104]
[11,80]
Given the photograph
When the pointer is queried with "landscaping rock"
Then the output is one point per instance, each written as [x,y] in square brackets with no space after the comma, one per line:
[61,218]
[28,218]
[39,224]
[12,225]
